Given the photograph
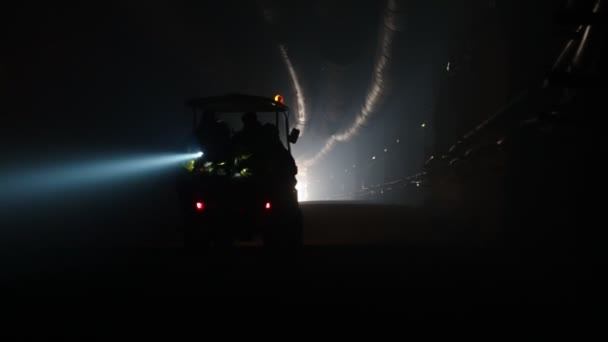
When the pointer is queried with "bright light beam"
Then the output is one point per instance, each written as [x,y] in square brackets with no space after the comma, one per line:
[46,180]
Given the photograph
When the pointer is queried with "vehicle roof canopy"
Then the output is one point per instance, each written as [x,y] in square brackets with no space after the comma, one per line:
[237,103]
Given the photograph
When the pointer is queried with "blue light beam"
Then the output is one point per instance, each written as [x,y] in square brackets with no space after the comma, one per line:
[49,179]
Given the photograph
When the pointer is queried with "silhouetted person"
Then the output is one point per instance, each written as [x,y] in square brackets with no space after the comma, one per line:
[267,158]
[247,140]
[281,163]
[213,136]
[247,145]
[275,165]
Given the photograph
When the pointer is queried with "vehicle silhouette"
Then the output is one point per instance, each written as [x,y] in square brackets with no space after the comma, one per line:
[242,187]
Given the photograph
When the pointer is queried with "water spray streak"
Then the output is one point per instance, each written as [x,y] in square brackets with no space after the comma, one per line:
[377,90]
[302,115]
[584,39]
[47,180]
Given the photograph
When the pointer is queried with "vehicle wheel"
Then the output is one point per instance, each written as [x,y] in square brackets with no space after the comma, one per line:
[294,239]
[285,235]
[195,243]
[223,247]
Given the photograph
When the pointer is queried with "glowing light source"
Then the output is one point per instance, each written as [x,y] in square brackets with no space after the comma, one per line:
[279,98]
[423,125]
[302,184]
[200,206]
[189,165]
[199,154]
[246,172]
[267,206]
[373,157]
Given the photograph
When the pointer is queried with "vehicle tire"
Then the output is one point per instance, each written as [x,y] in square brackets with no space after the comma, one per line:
[195,242]
[285,235]
[295,235]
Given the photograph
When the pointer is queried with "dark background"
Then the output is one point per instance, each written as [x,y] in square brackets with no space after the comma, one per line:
[103,80]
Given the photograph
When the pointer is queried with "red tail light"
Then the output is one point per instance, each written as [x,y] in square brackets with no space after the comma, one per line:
[267,206]
[200,206]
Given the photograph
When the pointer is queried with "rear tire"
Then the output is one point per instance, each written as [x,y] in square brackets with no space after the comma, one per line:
[196,243]
[285,235]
